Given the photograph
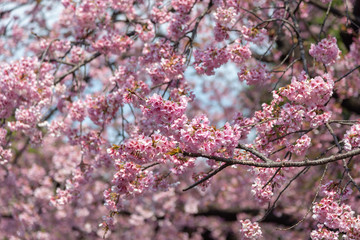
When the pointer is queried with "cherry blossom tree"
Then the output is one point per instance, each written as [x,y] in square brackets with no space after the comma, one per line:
[179,119]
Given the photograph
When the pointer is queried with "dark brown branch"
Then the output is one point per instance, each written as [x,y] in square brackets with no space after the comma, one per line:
[149,166]
[60,61]
[256,153]
[213,173]
[312,203]
[44,54]
[344,122]
[326,16]
[301,43]
[316,162]
[273,176]
[347,74]
[334,136]
[21,151]
[287,134]
[86,61]
[335,11]
[281,192]
[347,170]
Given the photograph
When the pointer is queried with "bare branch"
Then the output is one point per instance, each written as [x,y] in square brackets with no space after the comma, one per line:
[282,191]
[256,153]
[213,173]
[347,74]
[335,11]
[86,61]
[271,164]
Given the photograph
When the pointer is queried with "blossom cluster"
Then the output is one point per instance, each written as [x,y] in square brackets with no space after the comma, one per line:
[142,149]
[261,189]
[162,111]
[57,48]
[322,233]
[339,218]
[225,16]
[310,92]
[145,31]
[182,6]
[77,54]
[178,25]
[325,51]
[5,154]
[129,180]
[88,14]
[104,103]
[163,64]
[123,5]
[101,110]
[78,111]
[221,32]
[114,43]
[129,86]
[250,230]
[199,136]
[26,118]
[24,84]
[292,107]
[301,145]
[208,60]
[239,53]
[254,35]
[26,90]
[159,15]
[154,52]
[173,67]
[255,76]
[352,137]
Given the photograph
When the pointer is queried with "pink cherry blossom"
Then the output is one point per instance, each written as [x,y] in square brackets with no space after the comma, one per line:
[187,119]
[250,230]
[208,60]
[352,137]
[325,51]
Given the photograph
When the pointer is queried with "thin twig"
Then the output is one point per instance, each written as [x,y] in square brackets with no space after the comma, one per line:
[334,136]
[312,203]
[347,74]
[326,16]
[336,12]
[149,166]
[281,192]
[347,170]
[86,61]
[207,176]
[273,176]
[301,43]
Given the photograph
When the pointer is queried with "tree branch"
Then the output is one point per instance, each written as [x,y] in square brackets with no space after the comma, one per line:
[256,153]
[335,11]
[315,162]
[213,173]
[86,61]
